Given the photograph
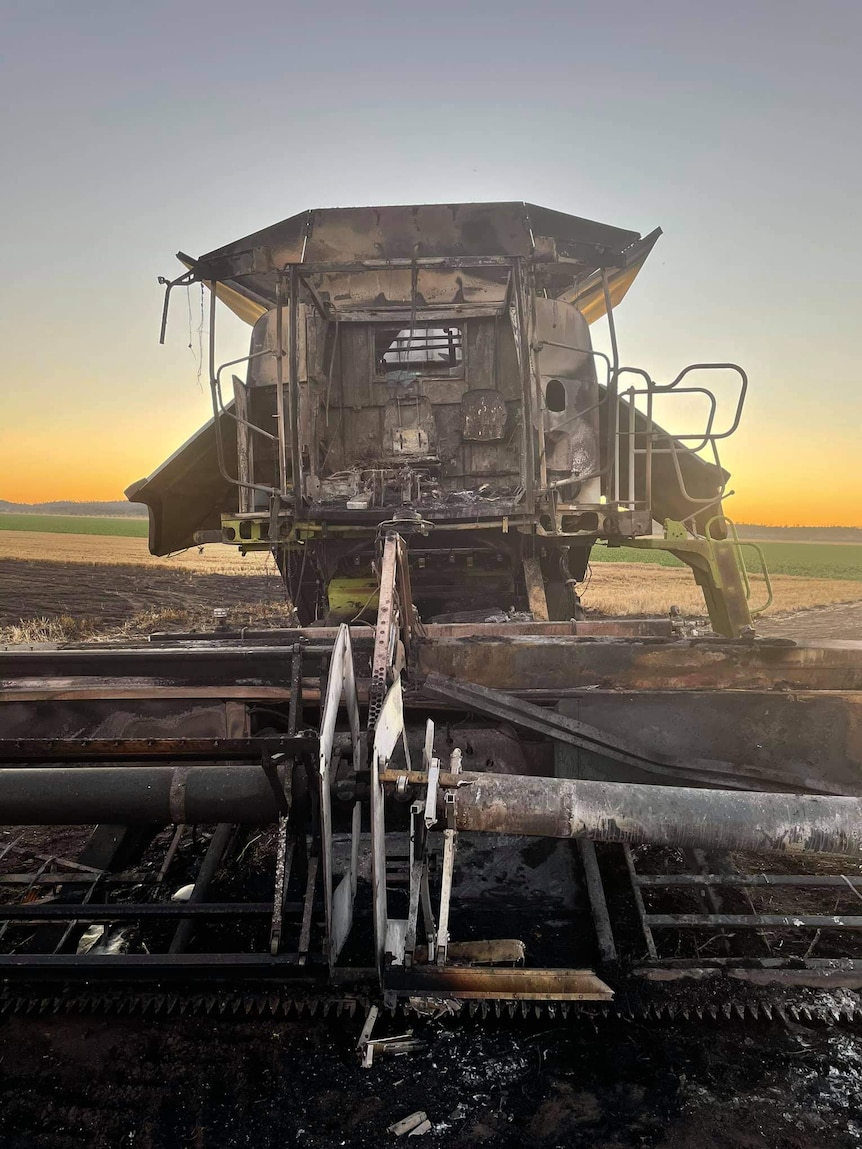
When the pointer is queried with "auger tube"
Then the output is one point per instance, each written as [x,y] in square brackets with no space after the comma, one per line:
[137,795]
[486,802]
[659,815]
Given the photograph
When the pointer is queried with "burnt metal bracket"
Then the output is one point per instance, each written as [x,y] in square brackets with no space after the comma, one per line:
[718,569]
[278,790]
[287,837]
[598,903]
[184,280]
[395,625]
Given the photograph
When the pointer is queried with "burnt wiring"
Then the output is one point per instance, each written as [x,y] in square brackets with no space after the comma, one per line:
[294,588]
[199,355]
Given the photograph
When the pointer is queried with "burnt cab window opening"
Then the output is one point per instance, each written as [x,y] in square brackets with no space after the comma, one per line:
[428,349]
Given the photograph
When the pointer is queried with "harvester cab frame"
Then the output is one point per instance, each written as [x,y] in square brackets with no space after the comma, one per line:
[435,362]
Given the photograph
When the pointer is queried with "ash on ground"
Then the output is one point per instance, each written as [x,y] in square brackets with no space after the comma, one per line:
[608,1084]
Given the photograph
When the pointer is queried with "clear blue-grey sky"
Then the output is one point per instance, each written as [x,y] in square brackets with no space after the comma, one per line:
[130,130]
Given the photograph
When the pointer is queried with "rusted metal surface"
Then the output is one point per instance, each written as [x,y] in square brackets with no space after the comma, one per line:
[144,749]
[661,815]
[598,903]
[628,751]
[479,983]
[190,689]
[790,740]
[483,415]
[386,630]
[90,694]
[380,235]
[526,715]
[109,708]
[553,666]
[493,952]
[592,627]
[201,663]
[535,590]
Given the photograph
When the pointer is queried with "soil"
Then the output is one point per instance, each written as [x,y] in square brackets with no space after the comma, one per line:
[113,595]
[584,1081]
[842,620]
[191,1082]
[96,584]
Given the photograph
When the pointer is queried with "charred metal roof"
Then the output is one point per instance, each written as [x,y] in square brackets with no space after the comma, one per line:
[327,235]
[572,250]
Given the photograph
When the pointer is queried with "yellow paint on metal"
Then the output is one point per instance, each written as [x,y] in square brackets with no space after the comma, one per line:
[589,295]
[348,597]
[248,310]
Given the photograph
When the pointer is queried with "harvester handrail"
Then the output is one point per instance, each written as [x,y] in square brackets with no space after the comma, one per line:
[232,414]
[705,436]
[743,389]
[218,410]
[654,388]
[674,453]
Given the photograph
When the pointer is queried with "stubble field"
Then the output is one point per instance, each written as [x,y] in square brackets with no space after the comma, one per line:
[59,586]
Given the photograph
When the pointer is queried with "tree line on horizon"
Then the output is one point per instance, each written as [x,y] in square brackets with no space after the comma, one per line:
[120,508]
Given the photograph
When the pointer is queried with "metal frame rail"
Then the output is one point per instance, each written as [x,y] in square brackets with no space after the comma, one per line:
[47,891]
[748,943]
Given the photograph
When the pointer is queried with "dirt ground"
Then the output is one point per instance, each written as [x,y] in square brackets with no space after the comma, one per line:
[106,1083]
[100,597]
[97,597]
[38,546]
[643,589]
[842,621]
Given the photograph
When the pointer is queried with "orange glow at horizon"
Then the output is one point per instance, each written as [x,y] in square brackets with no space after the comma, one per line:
[730,128]
[60,469]
[766,492]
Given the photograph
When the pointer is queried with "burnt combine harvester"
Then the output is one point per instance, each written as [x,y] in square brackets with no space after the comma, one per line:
[444,787]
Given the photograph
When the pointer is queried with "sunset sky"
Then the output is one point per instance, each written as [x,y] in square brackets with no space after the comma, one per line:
[132,130]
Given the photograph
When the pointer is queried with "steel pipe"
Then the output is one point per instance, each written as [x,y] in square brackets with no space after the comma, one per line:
[659,815]
[137,796]
[491,803]
[216,851]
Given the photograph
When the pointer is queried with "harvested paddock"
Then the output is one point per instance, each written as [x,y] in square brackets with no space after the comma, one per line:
[646,589]
[57,601]
[60,587]
[43,547]
[52,599]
